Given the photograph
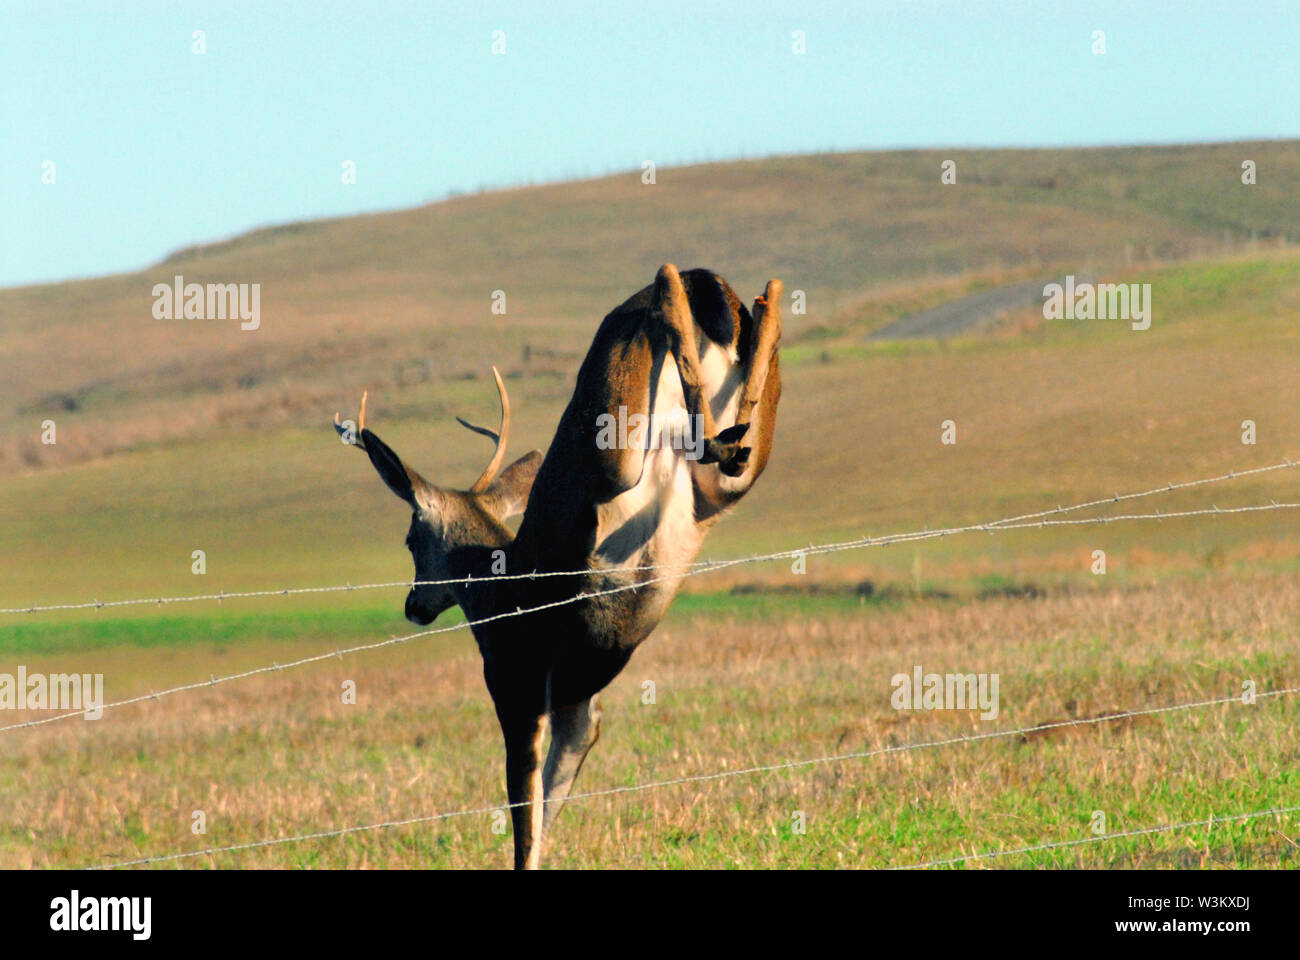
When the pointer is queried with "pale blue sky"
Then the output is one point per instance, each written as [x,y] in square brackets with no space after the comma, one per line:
[157,148]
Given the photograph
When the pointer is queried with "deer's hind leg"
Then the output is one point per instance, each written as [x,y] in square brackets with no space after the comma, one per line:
[671,313]
[620,390]
[762,390]
[755,412]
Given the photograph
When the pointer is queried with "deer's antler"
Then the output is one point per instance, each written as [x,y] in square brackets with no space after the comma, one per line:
[361,422]
[499,438]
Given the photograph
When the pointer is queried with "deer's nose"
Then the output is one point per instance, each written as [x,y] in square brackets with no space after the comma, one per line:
[413,612]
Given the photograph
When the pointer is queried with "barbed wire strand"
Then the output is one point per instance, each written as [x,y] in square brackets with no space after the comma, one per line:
[1211,821]
[706,778]
[587,595]
[702,565]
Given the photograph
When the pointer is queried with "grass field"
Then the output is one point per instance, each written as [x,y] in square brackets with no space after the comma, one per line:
[176,440]
[279,755]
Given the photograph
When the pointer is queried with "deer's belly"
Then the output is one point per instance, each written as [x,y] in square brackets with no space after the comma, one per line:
[654,521]
[652,525]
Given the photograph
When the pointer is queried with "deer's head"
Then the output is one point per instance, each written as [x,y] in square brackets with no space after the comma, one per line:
[453,533]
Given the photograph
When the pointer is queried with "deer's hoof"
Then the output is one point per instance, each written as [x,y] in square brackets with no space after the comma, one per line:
[735,466]
[725,450]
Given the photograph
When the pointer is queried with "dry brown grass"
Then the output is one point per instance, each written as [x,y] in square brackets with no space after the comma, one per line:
[279,755]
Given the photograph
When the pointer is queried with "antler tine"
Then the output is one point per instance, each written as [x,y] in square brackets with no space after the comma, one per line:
[500,438]
[361,421]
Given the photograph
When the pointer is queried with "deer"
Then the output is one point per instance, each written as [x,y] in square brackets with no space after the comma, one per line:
[617,517]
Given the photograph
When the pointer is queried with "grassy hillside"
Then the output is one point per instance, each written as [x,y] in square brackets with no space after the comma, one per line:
[401,300]
[183,435]
[175,436]
[1048,413]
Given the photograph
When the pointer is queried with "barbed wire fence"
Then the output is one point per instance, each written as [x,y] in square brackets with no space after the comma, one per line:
[1022,521]
[1036,730]
[1039,519]
[706,566]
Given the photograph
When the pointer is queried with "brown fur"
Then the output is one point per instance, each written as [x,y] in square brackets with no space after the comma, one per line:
[607,512]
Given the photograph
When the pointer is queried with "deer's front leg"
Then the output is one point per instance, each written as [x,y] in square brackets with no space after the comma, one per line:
[524,734]
[574,731]
[517,680]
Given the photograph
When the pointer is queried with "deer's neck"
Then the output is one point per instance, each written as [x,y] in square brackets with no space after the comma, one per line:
[475,567]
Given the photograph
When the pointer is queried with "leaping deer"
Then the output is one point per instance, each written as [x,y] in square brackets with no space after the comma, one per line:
[609,509]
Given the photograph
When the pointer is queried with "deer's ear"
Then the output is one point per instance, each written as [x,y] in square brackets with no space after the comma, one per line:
[400,478]
[508,493]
